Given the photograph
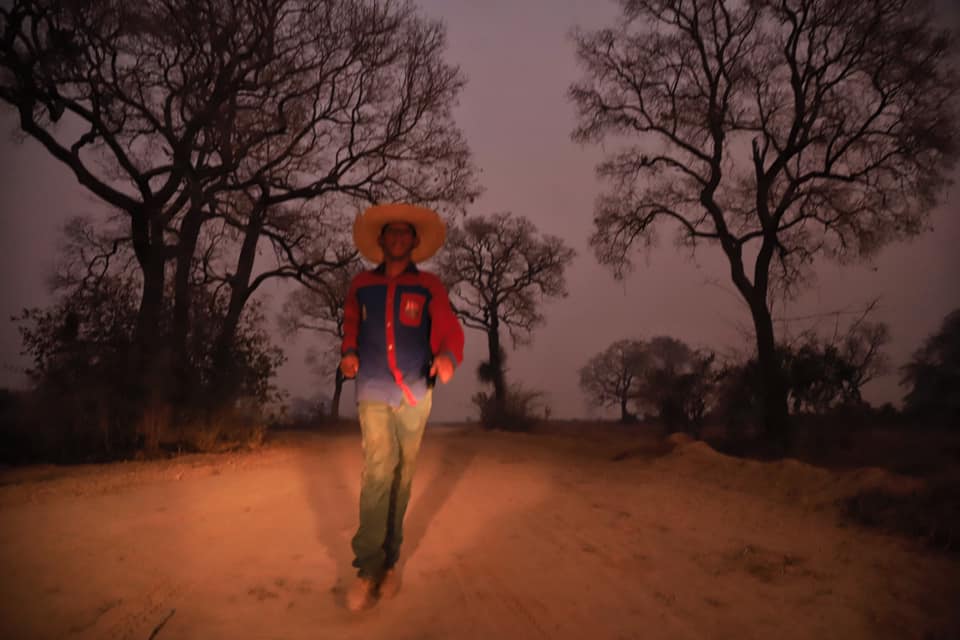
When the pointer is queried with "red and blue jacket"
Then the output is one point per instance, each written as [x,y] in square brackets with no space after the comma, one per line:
[396,326]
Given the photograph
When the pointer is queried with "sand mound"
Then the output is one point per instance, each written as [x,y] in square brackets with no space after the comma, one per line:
[679,439]
[789,480]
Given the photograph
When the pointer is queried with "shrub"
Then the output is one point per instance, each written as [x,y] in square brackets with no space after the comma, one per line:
[932,515]
[520,410]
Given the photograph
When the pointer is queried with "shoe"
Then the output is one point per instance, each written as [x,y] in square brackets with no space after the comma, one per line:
[390,584]
[360,595]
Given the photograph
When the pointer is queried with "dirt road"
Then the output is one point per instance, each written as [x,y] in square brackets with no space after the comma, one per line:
[508,535]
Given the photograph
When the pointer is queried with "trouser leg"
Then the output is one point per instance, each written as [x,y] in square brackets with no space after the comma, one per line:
[409,423]
[381,452]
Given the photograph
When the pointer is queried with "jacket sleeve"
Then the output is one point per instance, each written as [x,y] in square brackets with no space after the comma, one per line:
[351,320]
[446,332]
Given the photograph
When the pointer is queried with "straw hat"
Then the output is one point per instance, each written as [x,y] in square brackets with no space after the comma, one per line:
[429,225]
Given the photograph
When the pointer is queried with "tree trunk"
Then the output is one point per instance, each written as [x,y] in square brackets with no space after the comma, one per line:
[773,386]
[151,260]
[337,392]
[225,385]
[151,367]
[625,415]
[496,367]
[182,299]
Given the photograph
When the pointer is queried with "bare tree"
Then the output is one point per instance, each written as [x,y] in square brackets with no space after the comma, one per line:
[779,130]
[81,344]
[663,374]
[319,308]
[369,122]
[83,79]
[499,272]
[186,113]
[676,381]
[862,350]
[611,377]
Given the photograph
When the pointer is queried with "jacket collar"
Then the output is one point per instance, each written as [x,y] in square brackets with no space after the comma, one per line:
[382,269]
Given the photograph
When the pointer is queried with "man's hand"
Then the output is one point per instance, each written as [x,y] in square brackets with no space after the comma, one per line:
[349,365]
[442,368]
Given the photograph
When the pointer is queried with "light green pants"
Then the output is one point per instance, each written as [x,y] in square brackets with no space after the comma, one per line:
[391,440]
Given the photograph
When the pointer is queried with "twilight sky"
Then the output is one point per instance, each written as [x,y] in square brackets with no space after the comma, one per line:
[519,62]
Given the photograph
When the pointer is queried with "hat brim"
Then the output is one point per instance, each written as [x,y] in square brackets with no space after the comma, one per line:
[430,227]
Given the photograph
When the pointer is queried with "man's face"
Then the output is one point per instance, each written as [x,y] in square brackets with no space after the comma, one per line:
[398,241]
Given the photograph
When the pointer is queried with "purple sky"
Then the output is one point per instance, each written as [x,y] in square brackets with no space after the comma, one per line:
[519,63]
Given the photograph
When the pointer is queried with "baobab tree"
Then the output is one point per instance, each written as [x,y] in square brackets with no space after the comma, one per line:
[780,131]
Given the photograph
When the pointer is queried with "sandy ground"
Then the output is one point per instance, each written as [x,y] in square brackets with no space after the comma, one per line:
[508,535]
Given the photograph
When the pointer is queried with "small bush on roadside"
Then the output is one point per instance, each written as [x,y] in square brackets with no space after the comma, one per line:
[520,411]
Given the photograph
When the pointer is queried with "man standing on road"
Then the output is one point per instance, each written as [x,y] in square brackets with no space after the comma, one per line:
[400,335]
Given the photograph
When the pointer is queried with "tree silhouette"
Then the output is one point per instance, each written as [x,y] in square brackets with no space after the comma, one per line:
[211,119]
[318,308]
[822,374]
[677,382]
[779,131]
[81,343]
[933,374]
[663,374]
[861,349]
[499,272]
[611,377]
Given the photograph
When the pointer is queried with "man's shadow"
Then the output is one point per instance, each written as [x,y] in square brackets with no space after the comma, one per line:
[449,459]
[331,476]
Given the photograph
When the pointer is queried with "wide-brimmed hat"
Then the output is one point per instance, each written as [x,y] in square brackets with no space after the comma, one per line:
[429,225]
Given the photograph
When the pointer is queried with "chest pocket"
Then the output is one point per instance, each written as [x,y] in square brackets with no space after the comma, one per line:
[411,309]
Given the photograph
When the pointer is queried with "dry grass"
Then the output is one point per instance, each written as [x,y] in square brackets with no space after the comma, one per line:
[225,430]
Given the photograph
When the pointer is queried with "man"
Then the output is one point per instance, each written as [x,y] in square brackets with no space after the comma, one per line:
[400,334]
